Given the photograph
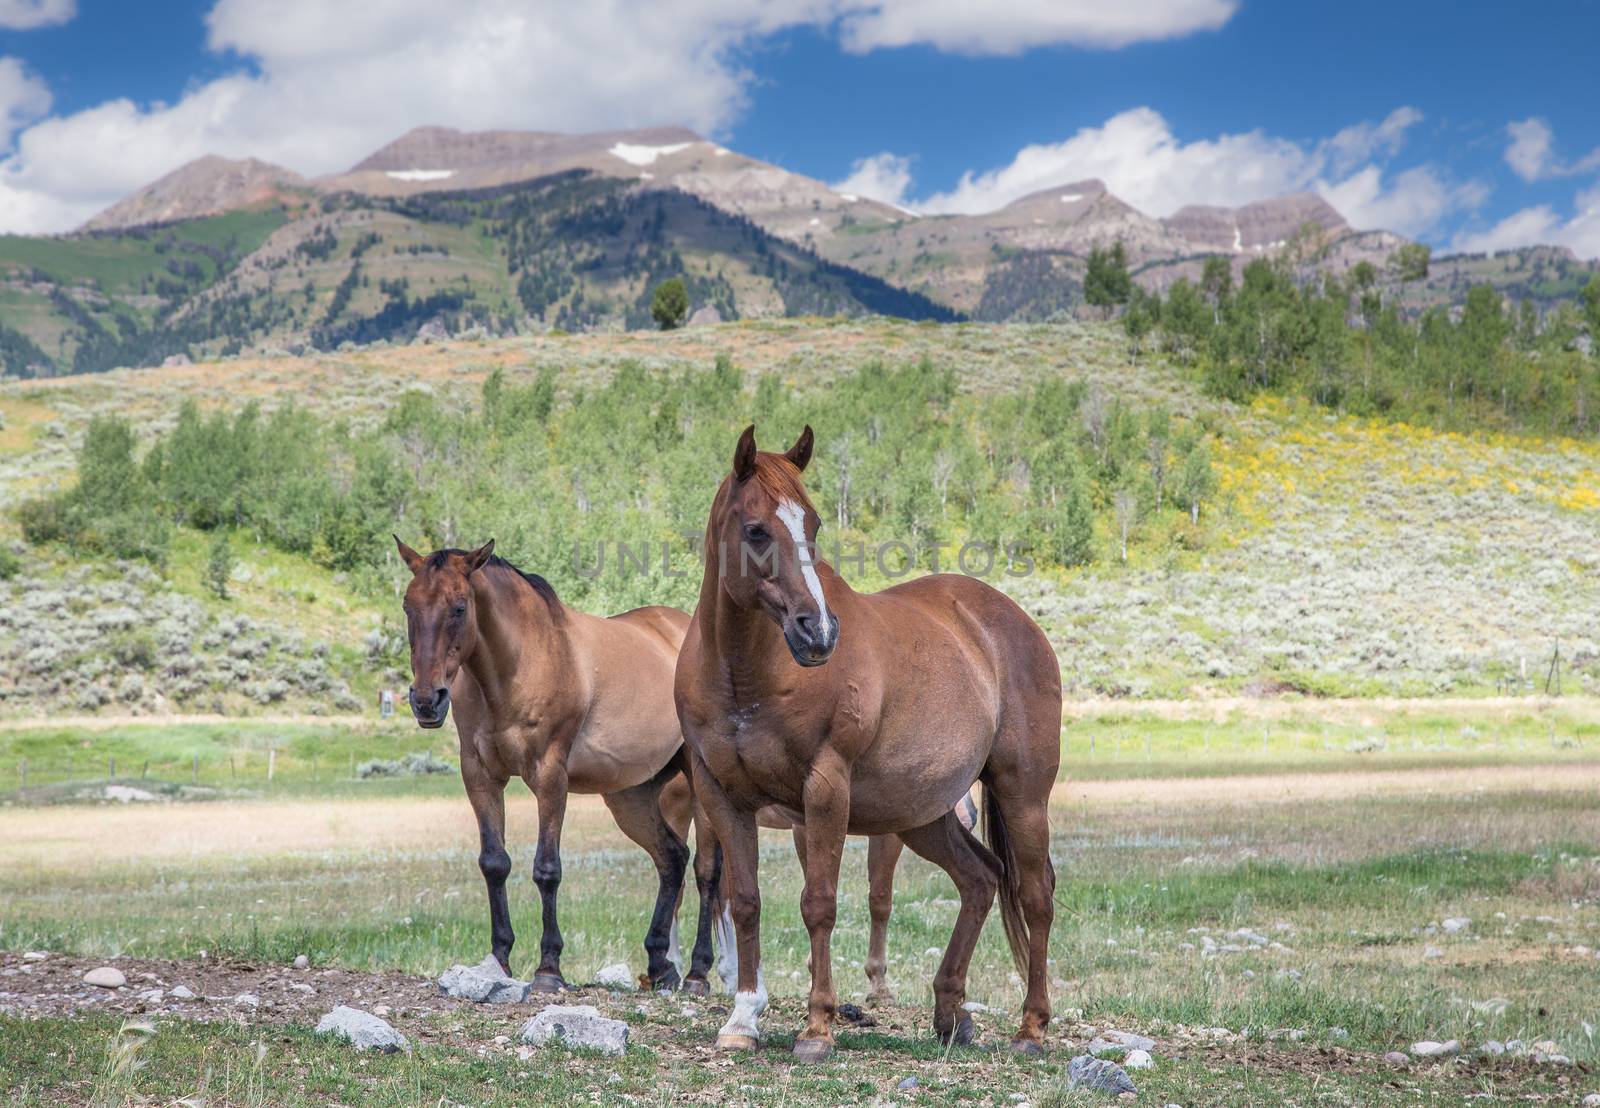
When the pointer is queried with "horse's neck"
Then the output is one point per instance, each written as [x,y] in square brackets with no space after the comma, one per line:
[742,648]
[521,645]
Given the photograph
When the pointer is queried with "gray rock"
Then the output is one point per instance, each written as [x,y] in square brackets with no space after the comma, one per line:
[485,983]
[1088,1072]
[1427,1048]
[106,977]
[1492,1047]
[907,1083]
[1396,1058]
[576,1025]
[35,956]
[1591,1101]
[301,962]
[1119,1040]
[1137,1060]
[1456,925]
[617,977]
[362,1030]
[247,1000]
[302,987]
[181,992]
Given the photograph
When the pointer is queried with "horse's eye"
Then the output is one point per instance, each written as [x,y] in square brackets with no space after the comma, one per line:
[461,609]
[754,532]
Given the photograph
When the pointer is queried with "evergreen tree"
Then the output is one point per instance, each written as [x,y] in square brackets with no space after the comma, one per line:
[219,565]
[669,305]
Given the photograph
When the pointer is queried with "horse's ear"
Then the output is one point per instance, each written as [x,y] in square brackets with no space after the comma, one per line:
[410,557]
[478,557]
[744,455]
[800,452]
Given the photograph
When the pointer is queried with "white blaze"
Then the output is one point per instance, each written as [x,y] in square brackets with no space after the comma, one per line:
[794,518]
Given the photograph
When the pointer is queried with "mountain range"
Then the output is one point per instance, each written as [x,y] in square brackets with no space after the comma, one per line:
[512,230]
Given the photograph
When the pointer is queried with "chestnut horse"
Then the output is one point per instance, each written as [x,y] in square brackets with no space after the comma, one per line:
[862,714]
[569,702]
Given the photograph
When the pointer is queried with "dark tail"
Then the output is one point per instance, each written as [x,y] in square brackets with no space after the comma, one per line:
[995,837]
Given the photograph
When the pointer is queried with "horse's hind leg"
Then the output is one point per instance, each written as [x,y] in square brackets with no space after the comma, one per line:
[1018,813]
[883,854]
[951,847]
[638,813]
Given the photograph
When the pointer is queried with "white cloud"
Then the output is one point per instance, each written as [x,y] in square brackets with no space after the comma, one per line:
[1010,26]
[1413,202]
[1532,155]
[1541,225]
[1356,144]
[329,83]
[884,177]
[25,15]
[1141,161]
[23,98]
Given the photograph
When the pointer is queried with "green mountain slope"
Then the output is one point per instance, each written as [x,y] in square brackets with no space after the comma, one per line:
[574,251]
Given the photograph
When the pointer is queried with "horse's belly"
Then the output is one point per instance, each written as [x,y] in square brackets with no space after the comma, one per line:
[604,763]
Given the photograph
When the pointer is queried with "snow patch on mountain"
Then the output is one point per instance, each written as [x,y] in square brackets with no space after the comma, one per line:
[634,154]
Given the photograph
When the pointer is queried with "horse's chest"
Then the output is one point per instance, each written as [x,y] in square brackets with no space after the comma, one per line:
[756,759]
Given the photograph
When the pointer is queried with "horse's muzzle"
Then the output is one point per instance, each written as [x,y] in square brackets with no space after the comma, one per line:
[430,709]
[811,642]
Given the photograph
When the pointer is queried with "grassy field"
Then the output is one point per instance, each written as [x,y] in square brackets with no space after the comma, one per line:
[1301,891]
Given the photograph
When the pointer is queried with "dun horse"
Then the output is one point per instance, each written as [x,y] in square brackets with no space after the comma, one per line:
[569,702]
[865,714]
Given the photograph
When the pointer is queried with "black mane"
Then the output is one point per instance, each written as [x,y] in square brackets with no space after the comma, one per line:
[546,591]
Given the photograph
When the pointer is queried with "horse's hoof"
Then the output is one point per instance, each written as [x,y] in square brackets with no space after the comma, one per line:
[963,1033]
[668,982]
[813,1050]
[548,983]
[879,998]
[696,986]
[736,1042]
[1027,1048]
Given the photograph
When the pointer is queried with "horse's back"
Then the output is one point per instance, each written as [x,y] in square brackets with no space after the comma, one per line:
[1008,660]
[671,624]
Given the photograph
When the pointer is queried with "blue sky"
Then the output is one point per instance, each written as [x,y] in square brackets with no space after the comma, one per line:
[1459,123]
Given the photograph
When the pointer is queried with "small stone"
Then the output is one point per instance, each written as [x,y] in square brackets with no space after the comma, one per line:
[1516,1047]
[380,1009]
[1137,1060]
[34,956]
[1338,1034]
[1396,1058]
[907,1083]
[1591,1101]
[302,962]
[1119,1040]
[302,987]
[1100,1075]
[1457,925]
[502,1040]
[1492,1047]
[247,1000]
[1427,1048]
[485,983]
[181,992]
[617,977]
[576,1025]
[362,1030]
[974,1006]
[106,977]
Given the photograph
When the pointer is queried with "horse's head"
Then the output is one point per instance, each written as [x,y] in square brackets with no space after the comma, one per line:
[765,532]
[440,623]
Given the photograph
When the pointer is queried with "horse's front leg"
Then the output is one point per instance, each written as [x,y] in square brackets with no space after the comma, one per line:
[827,810]
[488,798]
[550,787]
[738,882]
